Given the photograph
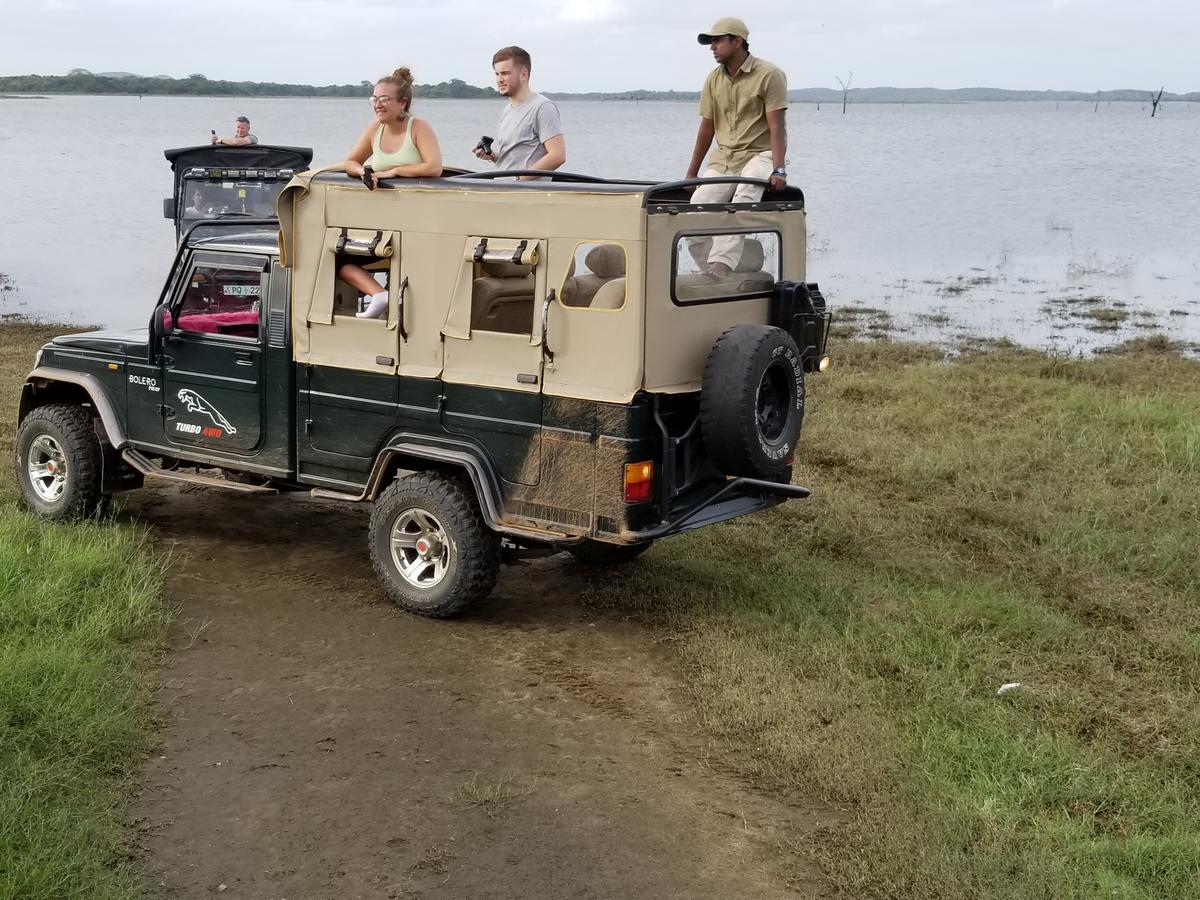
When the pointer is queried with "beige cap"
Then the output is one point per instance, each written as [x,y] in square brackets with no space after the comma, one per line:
[728,25]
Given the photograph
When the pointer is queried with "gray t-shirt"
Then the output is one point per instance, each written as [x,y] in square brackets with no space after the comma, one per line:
[524,129]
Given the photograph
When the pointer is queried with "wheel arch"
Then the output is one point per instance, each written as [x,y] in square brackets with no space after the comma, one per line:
[46,385]
[457,458]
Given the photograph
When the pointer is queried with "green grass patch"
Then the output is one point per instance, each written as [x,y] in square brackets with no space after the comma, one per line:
[80,623]
[1008,517]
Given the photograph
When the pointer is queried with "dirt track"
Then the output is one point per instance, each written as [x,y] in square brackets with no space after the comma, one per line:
[320,743]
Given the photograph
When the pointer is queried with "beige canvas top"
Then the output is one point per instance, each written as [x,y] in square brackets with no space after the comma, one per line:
[629,336]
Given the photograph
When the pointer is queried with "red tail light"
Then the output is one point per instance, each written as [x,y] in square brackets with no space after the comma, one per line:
[639,482]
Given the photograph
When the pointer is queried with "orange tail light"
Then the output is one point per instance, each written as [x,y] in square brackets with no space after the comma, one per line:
[639,482]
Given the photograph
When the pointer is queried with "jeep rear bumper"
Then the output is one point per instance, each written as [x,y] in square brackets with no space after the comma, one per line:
[714,503]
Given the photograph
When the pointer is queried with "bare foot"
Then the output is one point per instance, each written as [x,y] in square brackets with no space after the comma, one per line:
[718,270]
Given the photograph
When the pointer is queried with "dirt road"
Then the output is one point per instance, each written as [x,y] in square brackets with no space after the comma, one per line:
[320,743]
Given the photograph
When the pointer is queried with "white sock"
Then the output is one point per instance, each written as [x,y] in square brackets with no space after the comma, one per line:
[376,308]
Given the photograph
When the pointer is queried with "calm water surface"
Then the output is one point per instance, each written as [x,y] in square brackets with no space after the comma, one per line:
[1015,220]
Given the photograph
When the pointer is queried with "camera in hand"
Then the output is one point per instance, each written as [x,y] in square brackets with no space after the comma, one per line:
[485,144]
[366,177]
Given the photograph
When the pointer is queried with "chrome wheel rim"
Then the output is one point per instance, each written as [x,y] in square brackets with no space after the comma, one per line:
[47,468]
[420,548]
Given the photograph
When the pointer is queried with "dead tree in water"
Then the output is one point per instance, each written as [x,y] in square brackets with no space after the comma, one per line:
[1155,101]
[845,89]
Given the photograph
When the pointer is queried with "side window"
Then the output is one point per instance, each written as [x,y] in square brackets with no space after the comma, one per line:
[221,300]
[725,266]
[596,277]
[363,264]
[502,286]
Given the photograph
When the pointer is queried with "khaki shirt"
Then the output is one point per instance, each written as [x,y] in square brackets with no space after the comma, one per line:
[738,105]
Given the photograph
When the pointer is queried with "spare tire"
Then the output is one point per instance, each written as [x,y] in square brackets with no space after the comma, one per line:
[752,401]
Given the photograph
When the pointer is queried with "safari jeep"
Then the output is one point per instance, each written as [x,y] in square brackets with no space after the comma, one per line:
[555,370]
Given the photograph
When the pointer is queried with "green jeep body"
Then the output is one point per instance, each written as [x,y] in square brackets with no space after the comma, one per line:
[554,371]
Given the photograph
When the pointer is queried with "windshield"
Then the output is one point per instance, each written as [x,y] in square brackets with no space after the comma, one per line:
[209,199]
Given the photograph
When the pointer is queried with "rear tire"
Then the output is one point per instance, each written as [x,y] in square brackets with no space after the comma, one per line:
[430,546]
[602,553]
[59,464]
[752,401]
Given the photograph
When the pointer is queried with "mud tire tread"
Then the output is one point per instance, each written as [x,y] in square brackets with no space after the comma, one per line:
[476,560]
[728,400]
[72,427]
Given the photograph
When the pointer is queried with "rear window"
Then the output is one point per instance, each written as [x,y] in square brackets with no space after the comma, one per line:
[715,267]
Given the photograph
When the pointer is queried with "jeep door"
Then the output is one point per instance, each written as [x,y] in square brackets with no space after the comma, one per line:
[212,360]
[492,371]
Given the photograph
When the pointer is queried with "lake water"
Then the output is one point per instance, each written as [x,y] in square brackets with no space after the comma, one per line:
[1055,225]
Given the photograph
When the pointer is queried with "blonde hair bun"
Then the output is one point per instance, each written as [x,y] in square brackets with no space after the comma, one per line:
[403,75]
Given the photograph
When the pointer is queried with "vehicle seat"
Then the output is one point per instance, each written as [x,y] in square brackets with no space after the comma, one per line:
[502,298]
[604,262]
[610,296]
[747,278]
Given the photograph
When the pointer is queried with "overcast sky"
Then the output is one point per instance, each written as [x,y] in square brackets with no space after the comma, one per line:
[582,45]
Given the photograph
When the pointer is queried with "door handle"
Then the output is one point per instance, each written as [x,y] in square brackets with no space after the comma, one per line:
[168,361]
[547,353]
[244,358]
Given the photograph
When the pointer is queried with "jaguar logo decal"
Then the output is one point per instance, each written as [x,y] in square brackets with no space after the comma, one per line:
[197,404]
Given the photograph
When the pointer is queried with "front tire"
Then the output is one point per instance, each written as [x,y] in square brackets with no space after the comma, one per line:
[430,546]
[58,463]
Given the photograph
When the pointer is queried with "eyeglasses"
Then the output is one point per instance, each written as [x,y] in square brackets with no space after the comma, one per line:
[381,100]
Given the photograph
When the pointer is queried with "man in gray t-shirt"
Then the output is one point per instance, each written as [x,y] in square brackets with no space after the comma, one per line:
[530,134]
[241,134]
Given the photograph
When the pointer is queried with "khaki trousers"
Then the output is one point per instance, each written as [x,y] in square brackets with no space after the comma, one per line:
[727,249]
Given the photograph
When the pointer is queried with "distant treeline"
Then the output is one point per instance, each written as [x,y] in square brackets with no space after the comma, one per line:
[81,81]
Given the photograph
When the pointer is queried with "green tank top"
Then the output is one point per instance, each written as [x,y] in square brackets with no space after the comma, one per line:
[407,155]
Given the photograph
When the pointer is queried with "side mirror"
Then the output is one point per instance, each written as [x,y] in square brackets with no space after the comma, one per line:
[168,207]
[161,323]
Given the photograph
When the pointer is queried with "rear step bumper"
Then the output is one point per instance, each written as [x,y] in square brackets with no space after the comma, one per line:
[736,497]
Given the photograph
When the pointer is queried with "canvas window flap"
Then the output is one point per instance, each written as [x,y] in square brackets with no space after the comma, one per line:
[320,307]
[365,242]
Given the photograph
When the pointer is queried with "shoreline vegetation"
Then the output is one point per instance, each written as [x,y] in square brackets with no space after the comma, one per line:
[977,638]
[81,81]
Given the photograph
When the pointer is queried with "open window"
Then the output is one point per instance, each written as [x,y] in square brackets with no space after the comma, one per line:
[711,267]
[222,300]
[502,286]
[497,288]
[596,277]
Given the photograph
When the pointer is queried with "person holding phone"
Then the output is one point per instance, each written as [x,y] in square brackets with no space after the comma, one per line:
[394,145]
[241,137]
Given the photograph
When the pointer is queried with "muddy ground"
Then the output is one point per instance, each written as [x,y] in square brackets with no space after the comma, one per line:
[320,743]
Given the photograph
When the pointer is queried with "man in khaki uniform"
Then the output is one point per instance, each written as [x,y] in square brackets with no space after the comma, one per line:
[743,105]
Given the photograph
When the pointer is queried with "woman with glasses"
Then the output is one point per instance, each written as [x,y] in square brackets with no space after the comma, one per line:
[394,145]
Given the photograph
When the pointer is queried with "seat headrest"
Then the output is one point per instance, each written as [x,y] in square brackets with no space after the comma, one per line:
[752,256]
[606,260]
[610,296]
[505,269]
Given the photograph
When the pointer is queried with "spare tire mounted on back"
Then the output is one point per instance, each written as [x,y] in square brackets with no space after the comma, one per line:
[752,401]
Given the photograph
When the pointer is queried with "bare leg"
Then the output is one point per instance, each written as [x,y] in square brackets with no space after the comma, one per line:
[359,279]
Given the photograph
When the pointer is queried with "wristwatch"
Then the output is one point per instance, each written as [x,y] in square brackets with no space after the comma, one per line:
[782,173]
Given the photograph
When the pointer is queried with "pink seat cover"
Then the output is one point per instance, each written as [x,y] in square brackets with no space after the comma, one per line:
[211,323]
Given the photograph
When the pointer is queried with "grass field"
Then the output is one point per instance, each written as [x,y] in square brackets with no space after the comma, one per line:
[1005,518]
[80,621]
